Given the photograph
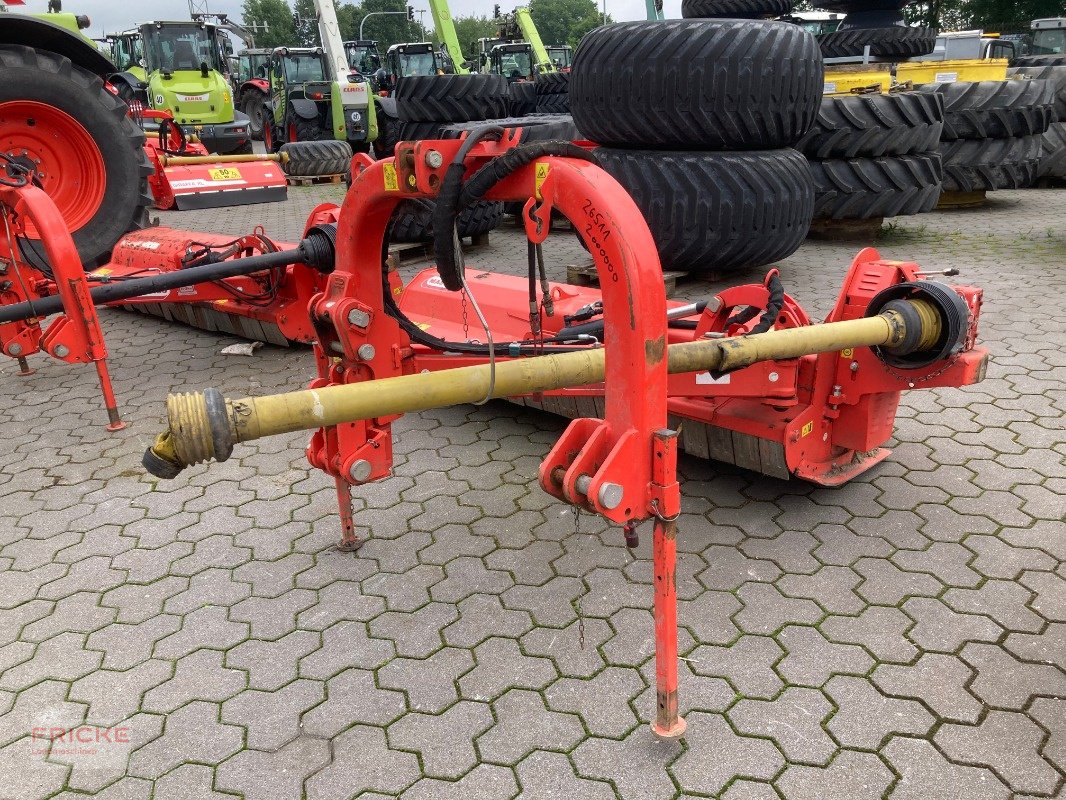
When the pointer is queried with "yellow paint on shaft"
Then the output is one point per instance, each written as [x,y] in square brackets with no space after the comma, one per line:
[245,158]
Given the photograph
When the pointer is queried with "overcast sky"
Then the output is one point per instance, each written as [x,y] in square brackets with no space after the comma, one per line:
[114,15]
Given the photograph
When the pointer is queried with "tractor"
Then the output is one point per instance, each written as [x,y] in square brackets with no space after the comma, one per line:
[364,58]
[182,67]
[252,89]
[308,104]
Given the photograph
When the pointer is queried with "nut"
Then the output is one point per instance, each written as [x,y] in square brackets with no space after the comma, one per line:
[366,352]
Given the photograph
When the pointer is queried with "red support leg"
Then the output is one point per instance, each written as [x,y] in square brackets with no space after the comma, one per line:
[349,542]
[667,725]
[114,421]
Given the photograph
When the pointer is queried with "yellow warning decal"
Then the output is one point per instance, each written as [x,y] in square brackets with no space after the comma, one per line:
[806,429]
[423,325]
[392,183]
[847,353]
[225,174]
[100,273]
[543,167]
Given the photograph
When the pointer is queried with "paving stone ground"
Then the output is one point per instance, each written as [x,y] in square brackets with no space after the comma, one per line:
[902,636]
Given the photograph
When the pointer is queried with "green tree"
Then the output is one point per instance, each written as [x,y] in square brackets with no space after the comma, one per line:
[278,18]
[469,29]
[565,21]
[1013,17]
[307,27]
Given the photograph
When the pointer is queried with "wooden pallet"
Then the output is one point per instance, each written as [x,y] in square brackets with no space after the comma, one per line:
[310,180]
[845,230]
[586,275]
[421,251]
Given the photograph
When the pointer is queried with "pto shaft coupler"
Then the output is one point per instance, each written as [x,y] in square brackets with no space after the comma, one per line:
[316,251]
[205,426]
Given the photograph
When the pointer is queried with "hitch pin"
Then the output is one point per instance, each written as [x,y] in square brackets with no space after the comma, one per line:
[950,272]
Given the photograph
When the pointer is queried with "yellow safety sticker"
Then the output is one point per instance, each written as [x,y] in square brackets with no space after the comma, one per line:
[542,168]
[100,273]
[392,183]
[423,325]
[225,174]
[847,353]
[806,429]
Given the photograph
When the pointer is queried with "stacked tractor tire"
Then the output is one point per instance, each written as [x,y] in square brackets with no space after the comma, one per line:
[1053,154]
[696,119]
[875,24]
[993,135]
[424,105]
[875,155]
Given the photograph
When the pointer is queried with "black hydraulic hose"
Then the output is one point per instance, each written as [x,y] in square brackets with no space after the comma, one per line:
[309,252]
[774,303]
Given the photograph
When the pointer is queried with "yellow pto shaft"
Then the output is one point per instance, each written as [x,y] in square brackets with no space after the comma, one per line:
[174,161]
[205,426]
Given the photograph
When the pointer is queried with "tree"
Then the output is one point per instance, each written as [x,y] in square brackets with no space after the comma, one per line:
[278,18]
[565,21]
[307,27]
[1013,17]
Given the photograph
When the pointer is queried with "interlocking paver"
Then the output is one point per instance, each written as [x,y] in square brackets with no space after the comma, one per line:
[851,776]
[484,782]
[636,765]
[793,720]
[925,774]
[938,680]
[602,701]
[272,719]
[747,664]
[346,694]
[865,717]
[430,683]
[278,775]
[734,755]
[810,659]
[522,724]
[445,741]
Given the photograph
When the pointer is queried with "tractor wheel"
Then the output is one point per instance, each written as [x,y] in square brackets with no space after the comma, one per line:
[864,188]
[553,104]
[718,212]
[412,221]
[552,83]
[994,109]
[523,98]
[451,98]
[895,41]
[971,165]
[1056,76]
[417,131]
[696,84]
[252,106]
[59,120]
[872,125]
[1053,157]
[1040,61]
[388,135]
[734,9]
[332,157]
[307,130]
[245,149]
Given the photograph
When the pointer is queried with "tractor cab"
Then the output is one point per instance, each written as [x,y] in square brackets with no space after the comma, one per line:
[408,60]
[562,56]
[1049,36]
[253,65]
[127,53]
[363,56]
[513,60]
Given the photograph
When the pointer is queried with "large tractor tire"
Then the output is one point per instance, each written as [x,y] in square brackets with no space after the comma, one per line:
[523,98]
[696,84]
[892,42]
[972,165]
[718,212]
[252,103]
[331,157]
[59,120]
[1053,156]
[864,188]
[451,98]
[1056,76]
[412,221]
[735,9]
[298,129]
[552,83]
[873,125]
[535,127]
[553,103]
[1040,61]
[994,109]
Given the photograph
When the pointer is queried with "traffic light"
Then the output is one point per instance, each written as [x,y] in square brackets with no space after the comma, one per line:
[410,13]
[496,11]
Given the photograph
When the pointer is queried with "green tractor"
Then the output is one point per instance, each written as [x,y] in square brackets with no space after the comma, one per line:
[308,104]
[182,67]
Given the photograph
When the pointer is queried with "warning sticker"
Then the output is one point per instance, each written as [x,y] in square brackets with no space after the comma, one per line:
[224,174]
[392,183]
[847,353]
[946,77]
[806,429]
[543,167]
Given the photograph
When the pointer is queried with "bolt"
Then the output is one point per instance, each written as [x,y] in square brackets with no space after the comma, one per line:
[837,391]
[366,352]
[15,349]
[434,160]
[610,495]
[360,470]
[61,351]
[773,376]
[854,366]
[358,317]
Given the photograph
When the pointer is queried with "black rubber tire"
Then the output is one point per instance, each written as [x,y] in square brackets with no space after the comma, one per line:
[417,131]
[734,9]
[1056,76]
[850,6]
[553,104]
[310,130]
[994,109]
[694,83]
[245,149]
[332,157]
[892,42]
[552,83]
[535,127]
[47,78]
[388,135]
[873,125]
[718,212]
[1039,61]
[971,165]
[864,188]
[252,105]
[1053,155]
[523,98]
[451,98]
[412,221]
